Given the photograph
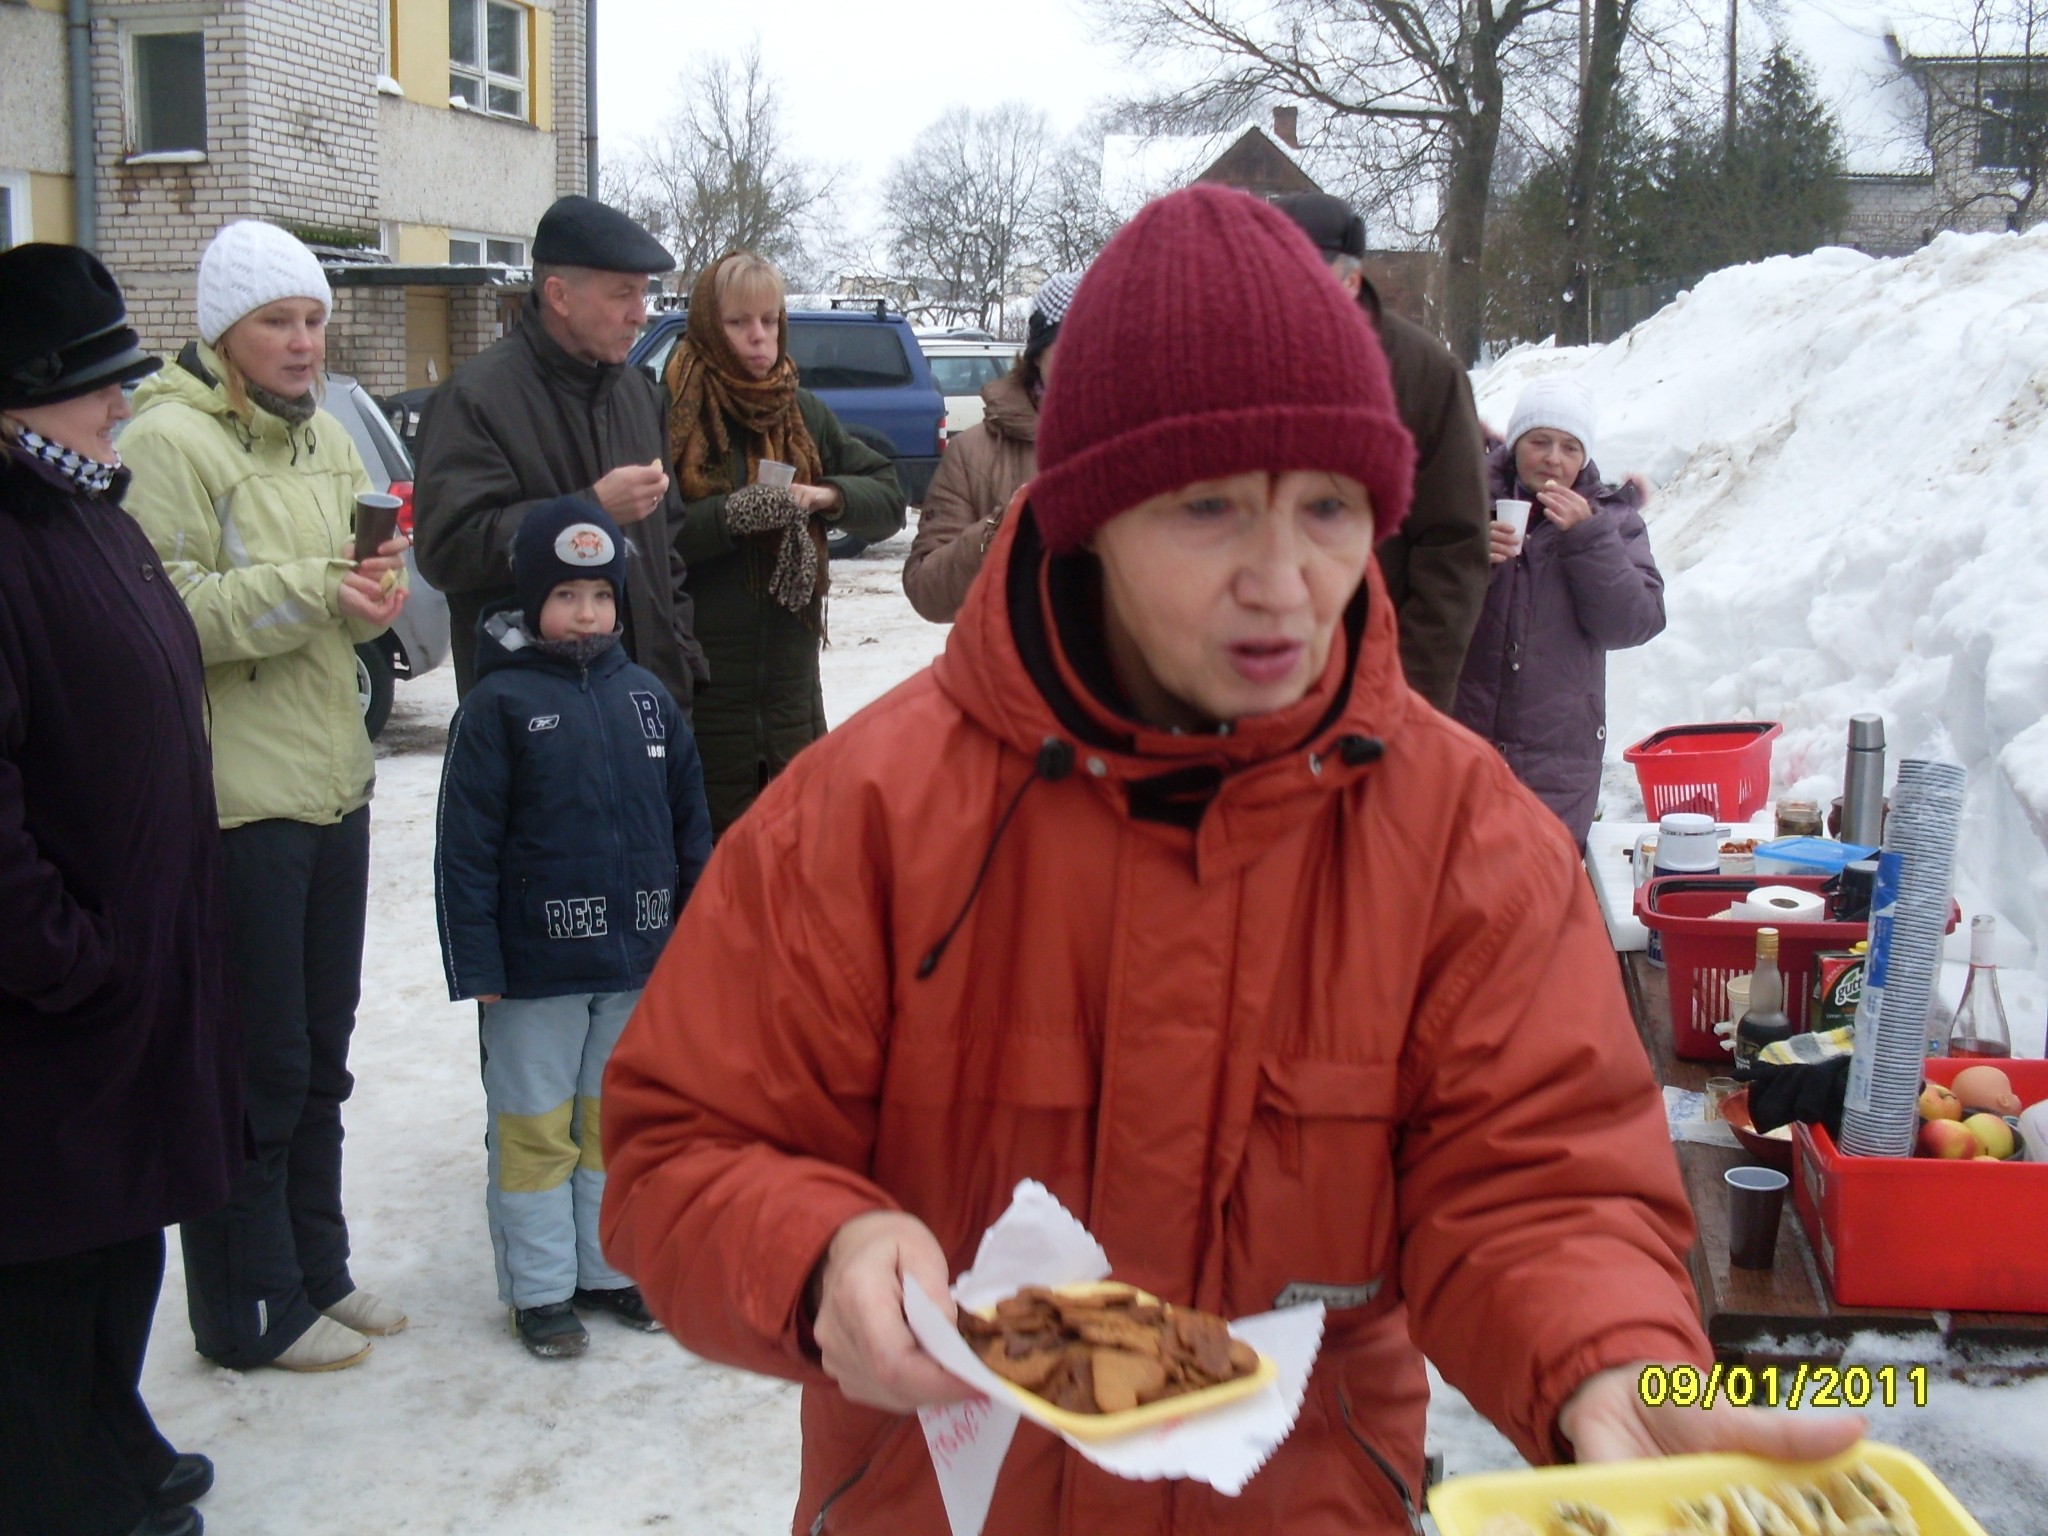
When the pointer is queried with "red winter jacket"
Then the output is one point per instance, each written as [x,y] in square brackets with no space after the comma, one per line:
[1357,1027]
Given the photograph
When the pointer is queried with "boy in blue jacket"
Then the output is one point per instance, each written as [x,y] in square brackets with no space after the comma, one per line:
[572,828]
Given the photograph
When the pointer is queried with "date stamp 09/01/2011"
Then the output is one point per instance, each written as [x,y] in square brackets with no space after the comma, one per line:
[1807,1385]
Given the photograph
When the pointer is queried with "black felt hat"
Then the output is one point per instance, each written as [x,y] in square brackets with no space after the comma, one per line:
[1327,221]
[64,329]
[582,232]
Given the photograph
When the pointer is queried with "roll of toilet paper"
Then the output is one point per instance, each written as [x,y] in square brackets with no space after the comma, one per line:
[1780,904]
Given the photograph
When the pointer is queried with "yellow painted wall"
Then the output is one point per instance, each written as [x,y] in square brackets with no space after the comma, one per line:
[47,5]
[419,51]
[540,98]
[426,337]
[422,245]
[50,207]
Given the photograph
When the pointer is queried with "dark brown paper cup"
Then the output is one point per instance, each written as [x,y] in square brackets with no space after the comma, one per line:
[1756,1197]
[376,522]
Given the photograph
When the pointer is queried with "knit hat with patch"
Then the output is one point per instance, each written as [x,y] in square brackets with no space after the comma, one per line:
[251,264]
[1207,340]
[570,538]
[1563,404]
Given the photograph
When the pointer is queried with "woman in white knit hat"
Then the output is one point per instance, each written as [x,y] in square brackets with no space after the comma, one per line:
[1580,582]
[247,489]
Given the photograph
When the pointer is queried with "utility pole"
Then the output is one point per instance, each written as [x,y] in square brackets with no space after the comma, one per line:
[1728,105]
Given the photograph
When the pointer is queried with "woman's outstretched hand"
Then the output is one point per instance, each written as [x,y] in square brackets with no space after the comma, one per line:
[866,1345]
[1607,1420]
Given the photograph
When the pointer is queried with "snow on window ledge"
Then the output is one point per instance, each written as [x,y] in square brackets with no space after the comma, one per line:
[386,86]
[168,157]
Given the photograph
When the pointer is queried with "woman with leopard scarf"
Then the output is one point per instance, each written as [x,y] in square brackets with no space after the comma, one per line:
[756,549]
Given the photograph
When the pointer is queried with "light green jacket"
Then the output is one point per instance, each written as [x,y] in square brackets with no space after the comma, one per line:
[250,519]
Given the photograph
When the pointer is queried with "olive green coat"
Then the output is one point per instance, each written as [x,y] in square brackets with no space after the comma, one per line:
[764,702]
[250,520]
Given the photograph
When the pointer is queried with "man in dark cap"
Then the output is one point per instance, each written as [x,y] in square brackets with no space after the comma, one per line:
[553,410]
[1435,566]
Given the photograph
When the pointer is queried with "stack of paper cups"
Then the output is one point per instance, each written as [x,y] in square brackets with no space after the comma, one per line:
[1908,916]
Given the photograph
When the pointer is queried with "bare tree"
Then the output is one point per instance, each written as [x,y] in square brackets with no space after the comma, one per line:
[1607,29]
[1073,221]
[719,175]
[1423,82]
[1988,116]
[961,206]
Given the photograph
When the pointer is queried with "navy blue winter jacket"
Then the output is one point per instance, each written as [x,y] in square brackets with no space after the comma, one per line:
[572,825]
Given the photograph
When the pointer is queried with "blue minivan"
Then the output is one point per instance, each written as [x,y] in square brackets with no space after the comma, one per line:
[863,362]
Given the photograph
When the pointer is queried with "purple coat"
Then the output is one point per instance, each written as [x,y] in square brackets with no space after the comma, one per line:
[1535,678]
[120,1062]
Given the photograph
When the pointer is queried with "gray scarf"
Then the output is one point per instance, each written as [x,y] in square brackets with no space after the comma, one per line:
[292,412]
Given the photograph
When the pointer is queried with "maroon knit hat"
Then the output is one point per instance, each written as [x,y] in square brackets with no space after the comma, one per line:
[1208,340]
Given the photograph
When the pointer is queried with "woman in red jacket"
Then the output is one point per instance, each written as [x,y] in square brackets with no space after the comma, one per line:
[1192,911]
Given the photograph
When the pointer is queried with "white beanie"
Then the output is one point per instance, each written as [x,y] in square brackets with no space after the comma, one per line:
[251,264]
[1563,404]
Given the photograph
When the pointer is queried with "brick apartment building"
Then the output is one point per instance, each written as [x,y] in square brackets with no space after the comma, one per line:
[413,143]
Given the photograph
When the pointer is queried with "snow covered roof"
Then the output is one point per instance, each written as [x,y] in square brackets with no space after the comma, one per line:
[1137,167]
[1856,70]
[1933,32]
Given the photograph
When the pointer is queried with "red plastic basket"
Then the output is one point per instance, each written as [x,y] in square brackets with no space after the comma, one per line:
[1721,770]
[1887,1230]
[1702,952]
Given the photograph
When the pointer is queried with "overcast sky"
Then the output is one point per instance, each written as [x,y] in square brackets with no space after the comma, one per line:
[858,79]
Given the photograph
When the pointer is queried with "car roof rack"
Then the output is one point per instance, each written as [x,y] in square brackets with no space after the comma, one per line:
[879,306]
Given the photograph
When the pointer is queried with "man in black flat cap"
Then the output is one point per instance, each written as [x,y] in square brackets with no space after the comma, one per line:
[553,410]
[1435,566]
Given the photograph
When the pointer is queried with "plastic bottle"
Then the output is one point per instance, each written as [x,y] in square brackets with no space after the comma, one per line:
[1979,1027]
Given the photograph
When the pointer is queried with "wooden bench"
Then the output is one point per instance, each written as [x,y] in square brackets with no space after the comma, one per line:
[1784,1315]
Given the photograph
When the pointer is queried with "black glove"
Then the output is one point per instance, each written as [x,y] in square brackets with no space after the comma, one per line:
[1811,1094]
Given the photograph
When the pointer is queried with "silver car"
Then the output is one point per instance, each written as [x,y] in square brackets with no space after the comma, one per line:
[417,641]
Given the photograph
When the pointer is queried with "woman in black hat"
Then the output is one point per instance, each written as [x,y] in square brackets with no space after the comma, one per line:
[120,1111]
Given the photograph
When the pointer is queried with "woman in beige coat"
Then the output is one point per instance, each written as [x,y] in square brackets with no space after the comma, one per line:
[983,468]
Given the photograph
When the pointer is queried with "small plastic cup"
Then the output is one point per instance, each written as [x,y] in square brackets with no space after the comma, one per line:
[1516,515]
[774,472]
[1738,997]
[1756,1199]
[1717,1091]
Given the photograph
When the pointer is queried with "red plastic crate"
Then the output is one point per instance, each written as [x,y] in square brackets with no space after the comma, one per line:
[1720,769]
[1703,952]
[1912,1231]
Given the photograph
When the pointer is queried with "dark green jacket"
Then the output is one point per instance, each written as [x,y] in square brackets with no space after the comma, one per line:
[764,702]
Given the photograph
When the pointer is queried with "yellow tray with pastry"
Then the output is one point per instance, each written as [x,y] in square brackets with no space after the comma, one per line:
[1868,1490]
[1106,1359]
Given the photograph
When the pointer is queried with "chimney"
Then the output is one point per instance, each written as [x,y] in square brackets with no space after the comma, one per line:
[1287,126]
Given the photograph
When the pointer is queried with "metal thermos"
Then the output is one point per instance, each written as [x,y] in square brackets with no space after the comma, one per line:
[1863,783]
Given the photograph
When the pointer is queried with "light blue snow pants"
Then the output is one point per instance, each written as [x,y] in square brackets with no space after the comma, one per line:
[543,1075]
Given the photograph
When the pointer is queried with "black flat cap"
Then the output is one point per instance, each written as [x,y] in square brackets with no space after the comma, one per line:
[1326,220]
[64,328]
[582,232]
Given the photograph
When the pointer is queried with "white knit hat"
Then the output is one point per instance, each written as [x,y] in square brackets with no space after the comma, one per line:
[1563,404]
[251,264]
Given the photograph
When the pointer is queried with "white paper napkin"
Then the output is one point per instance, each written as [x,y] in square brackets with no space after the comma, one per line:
[1037,1241]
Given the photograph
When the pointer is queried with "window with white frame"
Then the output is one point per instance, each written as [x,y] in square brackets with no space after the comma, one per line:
[167,90]
[487,62]
[14,214]
[472,250]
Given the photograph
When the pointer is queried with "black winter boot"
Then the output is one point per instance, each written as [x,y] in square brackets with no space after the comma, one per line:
[625,1303]
[551,1331]
[191,1476]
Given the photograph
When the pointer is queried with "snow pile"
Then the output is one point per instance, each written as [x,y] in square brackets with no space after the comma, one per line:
[1851,518]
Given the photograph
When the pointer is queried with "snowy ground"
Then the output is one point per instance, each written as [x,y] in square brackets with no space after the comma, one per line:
[1852,458]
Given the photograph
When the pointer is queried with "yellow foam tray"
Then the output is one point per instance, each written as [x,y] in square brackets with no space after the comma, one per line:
[1638,1494]
[1168,1410]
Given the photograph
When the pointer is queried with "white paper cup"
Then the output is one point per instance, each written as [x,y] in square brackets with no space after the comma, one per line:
[1516,515]
[774,472]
